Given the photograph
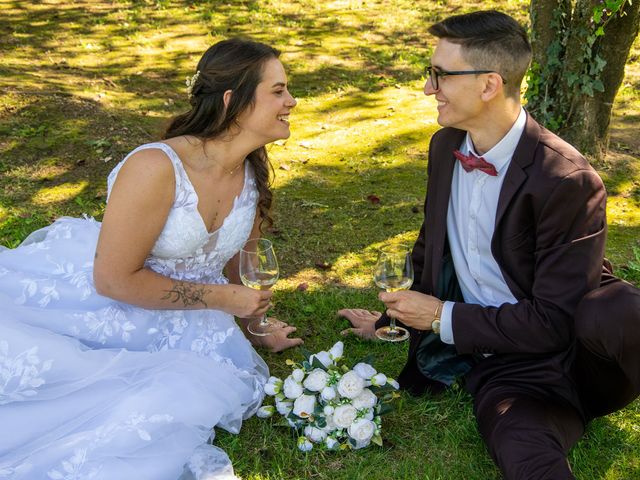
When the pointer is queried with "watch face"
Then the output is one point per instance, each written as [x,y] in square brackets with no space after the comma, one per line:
[435,326]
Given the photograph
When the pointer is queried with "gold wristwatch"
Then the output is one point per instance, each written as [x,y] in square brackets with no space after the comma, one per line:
[435,325]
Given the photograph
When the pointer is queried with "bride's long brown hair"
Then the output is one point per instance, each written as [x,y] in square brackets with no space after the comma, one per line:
[234,64]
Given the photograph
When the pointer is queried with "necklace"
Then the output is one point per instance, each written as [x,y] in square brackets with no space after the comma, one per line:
[217,162]
[229,172]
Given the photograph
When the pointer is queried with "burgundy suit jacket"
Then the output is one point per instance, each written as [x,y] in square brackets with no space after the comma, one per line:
[549,240]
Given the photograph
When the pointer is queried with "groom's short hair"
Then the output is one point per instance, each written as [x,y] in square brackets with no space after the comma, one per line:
[490,40]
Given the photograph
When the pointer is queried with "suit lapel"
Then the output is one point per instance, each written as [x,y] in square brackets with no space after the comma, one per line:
[440,186]
[515,176]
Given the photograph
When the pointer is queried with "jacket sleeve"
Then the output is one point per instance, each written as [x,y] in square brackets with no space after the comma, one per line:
[570,235]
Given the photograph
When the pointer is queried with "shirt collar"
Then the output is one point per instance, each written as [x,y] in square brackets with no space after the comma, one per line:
[500,154]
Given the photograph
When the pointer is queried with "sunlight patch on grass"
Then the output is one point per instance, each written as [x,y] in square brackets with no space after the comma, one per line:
[622,211]
[59,193]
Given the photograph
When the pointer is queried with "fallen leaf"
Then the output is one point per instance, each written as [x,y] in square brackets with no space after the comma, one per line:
[305,144]
[302,287]
[323,265]
[285,167]
[415,209]
[374,199]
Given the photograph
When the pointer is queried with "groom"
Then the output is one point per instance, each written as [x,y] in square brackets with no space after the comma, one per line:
[511,288]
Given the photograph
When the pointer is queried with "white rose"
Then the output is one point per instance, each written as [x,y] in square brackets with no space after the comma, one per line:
[323,357]
[336,351]
[304,445]
[316,380]
[315,434]
[284,408]
[298,375]
[364,370]
[331,443]
[350,385]
[379,379]
[344,415]
[366,399]
[328,411]
[362,432]
[328,393]
[292,389]
[393,383]
[273,386]
[265,411]
[304,405]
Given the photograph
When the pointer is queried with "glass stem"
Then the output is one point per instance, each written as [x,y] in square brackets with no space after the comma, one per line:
[263,321]
[392,325]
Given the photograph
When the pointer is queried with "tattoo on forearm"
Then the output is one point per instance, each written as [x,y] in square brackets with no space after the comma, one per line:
[187,293]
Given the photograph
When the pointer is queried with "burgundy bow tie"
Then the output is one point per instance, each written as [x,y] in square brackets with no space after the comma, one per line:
[471,162]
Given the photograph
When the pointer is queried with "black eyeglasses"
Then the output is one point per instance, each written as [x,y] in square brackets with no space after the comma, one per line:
[436,73]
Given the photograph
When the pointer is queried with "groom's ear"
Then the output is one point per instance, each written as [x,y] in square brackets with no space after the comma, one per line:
[226,98]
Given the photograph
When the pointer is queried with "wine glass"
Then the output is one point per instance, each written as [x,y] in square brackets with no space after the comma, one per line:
[259,270]
[393,272]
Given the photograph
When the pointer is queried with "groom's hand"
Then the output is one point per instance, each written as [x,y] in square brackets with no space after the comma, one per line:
[363,321]
[278,340]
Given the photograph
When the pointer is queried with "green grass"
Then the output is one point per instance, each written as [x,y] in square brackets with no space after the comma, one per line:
[83,83]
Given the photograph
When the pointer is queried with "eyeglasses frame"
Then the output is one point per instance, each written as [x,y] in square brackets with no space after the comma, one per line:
[436,73]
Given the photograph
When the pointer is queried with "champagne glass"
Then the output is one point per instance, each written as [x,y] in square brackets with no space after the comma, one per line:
[393,272]
[259,270]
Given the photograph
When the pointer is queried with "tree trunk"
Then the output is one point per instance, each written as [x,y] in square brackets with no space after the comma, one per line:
[587,127]
[564,53]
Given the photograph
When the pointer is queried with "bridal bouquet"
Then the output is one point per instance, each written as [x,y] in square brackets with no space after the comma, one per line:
[330,404]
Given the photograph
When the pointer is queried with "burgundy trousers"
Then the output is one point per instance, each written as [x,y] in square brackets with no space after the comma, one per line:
[529,436]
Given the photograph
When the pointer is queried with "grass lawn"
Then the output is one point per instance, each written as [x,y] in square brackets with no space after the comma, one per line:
[83,82]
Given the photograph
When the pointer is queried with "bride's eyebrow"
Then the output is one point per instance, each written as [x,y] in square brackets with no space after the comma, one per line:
[278,84]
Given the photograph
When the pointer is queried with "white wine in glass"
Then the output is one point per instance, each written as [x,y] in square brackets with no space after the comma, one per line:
[393,272]
[259,270]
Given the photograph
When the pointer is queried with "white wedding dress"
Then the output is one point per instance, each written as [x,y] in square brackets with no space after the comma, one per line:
[91,388]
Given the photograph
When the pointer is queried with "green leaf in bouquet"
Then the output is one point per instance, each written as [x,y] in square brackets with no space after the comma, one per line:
[318,364]
[306,366]
[321,421]
[306,353]
[384,408]
[377,440]
[386,388]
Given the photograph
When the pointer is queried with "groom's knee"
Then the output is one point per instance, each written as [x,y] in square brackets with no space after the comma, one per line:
[607,321]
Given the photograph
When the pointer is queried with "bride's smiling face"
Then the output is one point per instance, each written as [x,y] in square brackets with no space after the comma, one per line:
[268,118]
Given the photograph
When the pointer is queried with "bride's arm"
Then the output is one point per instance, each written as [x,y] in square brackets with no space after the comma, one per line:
[137,210]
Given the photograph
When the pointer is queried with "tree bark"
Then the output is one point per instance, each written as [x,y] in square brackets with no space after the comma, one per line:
[587,127]
[583,119]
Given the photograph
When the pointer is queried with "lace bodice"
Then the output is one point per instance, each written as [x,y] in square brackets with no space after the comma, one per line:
[185,250]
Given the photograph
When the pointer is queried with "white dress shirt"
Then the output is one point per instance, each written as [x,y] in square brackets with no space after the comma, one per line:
[470,224]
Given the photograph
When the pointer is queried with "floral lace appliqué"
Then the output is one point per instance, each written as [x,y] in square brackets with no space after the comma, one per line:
[21,375]
[106,323]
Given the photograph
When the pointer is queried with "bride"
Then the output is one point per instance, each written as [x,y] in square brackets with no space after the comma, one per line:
[119,351]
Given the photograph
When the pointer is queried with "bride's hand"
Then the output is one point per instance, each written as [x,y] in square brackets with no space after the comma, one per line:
[363,321]
[245,302]
[278,340]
